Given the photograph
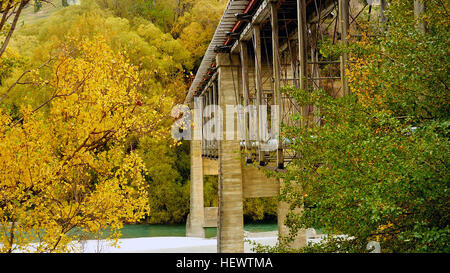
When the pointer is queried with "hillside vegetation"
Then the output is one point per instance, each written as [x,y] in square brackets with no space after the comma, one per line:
[157,46]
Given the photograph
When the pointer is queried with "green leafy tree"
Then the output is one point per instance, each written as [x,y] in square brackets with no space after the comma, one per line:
[378,167]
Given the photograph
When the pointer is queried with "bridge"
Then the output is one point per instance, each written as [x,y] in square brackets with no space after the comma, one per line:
[260,46]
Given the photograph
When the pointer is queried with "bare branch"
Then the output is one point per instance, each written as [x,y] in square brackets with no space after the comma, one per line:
[23,75]
[22,4]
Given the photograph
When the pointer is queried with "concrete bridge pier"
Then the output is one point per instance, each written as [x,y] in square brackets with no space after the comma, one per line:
[230,234]
[195,221]
[283,209]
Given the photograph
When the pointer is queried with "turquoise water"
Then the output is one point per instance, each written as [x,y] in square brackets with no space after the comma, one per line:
[145,230]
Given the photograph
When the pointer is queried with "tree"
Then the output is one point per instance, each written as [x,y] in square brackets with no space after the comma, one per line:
[192,23]
[70,168]
[162,65]
[196,28]
[10,9]
[378,168]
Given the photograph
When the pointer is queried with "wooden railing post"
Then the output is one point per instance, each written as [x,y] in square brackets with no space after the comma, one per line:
[259,90]
[303,57]
[276,78]
[344,23]
[245,91]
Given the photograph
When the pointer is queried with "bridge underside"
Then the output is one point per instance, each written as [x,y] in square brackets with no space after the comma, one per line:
[270,44]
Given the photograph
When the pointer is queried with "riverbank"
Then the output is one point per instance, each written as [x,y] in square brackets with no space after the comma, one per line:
[173,244]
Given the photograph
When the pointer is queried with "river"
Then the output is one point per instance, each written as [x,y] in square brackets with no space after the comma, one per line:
[148,230]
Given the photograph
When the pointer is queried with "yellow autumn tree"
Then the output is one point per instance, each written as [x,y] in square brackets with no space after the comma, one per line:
[197,26]
[65,165]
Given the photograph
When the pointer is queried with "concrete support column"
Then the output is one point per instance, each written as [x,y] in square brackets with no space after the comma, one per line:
[230,234]
[195,221]
[283,209]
